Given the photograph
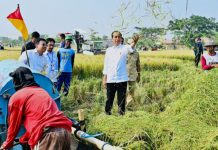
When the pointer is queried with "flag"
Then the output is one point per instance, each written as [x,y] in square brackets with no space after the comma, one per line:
[17,20]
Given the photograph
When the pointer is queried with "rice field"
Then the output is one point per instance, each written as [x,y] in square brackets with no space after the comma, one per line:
[175,105]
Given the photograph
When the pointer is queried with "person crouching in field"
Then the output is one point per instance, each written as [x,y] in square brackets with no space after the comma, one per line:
[66,57]
[46,127]
[210,60]
[115,72]
[133,68]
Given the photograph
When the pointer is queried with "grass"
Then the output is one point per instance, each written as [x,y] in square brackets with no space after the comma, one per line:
[175,106]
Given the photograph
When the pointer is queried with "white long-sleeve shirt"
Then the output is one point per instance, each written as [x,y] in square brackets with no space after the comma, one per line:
[115,63]
[37,62]
[52,69]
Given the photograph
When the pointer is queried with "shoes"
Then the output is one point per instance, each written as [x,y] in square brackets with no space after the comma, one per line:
[108,113]
[65,93]
[121,113]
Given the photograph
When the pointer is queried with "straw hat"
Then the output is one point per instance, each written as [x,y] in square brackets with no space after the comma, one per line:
[210,43]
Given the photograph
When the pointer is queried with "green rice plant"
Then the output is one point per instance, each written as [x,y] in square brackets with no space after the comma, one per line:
[9,54]
[170,54]
[137,127]
[88,66]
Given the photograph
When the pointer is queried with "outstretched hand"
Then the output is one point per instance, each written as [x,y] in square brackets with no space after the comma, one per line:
[135,38]
[2,148]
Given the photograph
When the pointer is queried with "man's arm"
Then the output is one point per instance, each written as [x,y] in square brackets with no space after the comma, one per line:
[58,56]
[204,64]
[23,49]
[23,58]
[138,68]
[132,43]
[14,120]
[105,71]
[72,59]
[135,40]
[104,81]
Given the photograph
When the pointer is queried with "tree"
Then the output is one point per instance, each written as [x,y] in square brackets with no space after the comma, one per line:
[215,38]
[188,29]
[150,36]
[94,35]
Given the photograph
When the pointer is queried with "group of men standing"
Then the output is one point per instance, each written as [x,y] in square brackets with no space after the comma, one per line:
[46,126]
[40,56]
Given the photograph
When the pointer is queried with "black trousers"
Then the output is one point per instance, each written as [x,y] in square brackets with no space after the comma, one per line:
[198,57]
[120,88]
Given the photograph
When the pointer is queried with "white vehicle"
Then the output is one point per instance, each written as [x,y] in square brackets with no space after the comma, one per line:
[96,47]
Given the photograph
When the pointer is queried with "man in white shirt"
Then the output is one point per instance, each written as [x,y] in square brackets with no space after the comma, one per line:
[115,72]
[37,60]
[52,61]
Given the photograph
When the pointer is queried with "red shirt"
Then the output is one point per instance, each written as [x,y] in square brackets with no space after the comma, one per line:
[35,109]
[204,64]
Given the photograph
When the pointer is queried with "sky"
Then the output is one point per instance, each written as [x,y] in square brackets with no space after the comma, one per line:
[56,16]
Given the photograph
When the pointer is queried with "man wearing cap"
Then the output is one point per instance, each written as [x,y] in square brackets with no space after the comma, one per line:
[36,58]
[210,60]
[66,57]
[46,127]
[115,72]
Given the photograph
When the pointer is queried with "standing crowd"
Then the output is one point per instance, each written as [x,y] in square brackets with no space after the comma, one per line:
[121,66]
[40,56]
[46,127]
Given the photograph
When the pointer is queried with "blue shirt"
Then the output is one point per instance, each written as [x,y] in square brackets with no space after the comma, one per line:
[66,58]
[62,44]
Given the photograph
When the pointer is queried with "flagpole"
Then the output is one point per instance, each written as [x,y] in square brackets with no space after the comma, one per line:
[28,61]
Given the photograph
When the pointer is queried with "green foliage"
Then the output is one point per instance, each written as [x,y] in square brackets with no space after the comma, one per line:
[13,42]
[216,37]
[188,29]
[173,109]
[188,122]
[94,35]
[150,36]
